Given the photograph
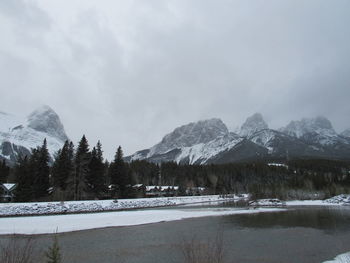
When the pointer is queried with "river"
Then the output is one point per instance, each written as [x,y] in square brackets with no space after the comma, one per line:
[297,235]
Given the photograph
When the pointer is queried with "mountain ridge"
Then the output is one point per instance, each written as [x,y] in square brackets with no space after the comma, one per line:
[306,138]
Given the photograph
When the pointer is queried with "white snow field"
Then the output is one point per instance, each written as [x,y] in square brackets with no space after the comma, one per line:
[66,223]
[343,258]
[338,200]
[45,208]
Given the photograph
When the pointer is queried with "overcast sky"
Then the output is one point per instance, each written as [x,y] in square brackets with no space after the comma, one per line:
[128,72]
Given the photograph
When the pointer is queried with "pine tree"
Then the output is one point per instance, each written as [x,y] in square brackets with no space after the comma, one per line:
[63,170]
[24,179]
[53,254]
[4,171]
[82,160]
[96,171]
[119,173]
[39,163]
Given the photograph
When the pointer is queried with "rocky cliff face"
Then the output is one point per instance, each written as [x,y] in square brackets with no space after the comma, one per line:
[253,124]
[46,120]
[191,134]
[19,135]
[346,133]
[210,142]
[317,130]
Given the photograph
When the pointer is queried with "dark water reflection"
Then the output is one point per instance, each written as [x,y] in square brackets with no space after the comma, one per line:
[328,219]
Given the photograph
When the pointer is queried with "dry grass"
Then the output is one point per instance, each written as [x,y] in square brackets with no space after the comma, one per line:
[17,251]
[211,251]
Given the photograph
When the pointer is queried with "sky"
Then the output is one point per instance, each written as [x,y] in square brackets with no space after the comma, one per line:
[127,72]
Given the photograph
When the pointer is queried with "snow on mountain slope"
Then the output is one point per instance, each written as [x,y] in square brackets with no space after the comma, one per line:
[201,153]
[194,143]
[20,135]
[264,138]
[317,130]
[189,135]
[346,133]
[45,120]
[252,125]
[210,142]
[282,145]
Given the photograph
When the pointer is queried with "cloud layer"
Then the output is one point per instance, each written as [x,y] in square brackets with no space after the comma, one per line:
[127,72]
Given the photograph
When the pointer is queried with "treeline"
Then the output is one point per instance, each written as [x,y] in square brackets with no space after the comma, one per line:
[74,174]
[297,179]
[78,173]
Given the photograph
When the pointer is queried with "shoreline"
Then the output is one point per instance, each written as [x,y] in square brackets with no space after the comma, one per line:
[41,225]
[104,206]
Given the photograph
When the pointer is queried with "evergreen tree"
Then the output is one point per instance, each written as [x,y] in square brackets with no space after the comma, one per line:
[39,164]
[53,254]
[70,183]
[82,160]
[119,173]
[24,179]
[96,171]
[4,171]
[62,170]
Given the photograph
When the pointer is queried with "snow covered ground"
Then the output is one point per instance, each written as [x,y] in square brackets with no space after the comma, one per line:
[339,199]
[68,223]
[267,202]
[46,208]
[336,200]
[343,258]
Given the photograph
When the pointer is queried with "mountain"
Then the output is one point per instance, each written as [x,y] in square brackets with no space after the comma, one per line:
[210,141]
[252,125]
[200,132]
[195,143]
[346,133]
[278,144]
[317,130]
[19,135]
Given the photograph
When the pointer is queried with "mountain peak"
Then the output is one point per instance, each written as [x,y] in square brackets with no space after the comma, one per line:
[346,133]
[191,134]
[252,125]
[308,125]
[317,130]
[322,122]
[45,119]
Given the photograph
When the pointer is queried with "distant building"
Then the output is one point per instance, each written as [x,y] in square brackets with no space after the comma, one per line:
[7,192]
[163,190]
[195,190]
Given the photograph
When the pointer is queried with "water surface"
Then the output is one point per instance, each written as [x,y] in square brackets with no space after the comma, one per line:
[302,235]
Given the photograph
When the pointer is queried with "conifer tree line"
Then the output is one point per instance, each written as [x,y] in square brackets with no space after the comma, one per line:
[80,173]
[76,173]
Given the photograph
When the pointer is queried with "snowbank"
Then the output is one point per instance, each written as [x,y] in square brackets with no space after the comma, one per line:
[336,200]
[343,258]
[267,202]
[68,223]
[339,199]
[47,208]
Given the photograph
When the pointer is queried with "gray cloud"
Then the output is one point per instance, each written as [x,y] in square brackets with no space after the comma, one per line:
[127,72]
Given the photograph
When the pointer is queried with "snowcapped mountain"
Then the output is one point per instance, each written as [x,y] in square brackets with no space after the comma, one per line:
[194,143]
[346,133]
[191,134]
[317,130]
[252,125]
[210,141]
[203,152]
[20,135]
